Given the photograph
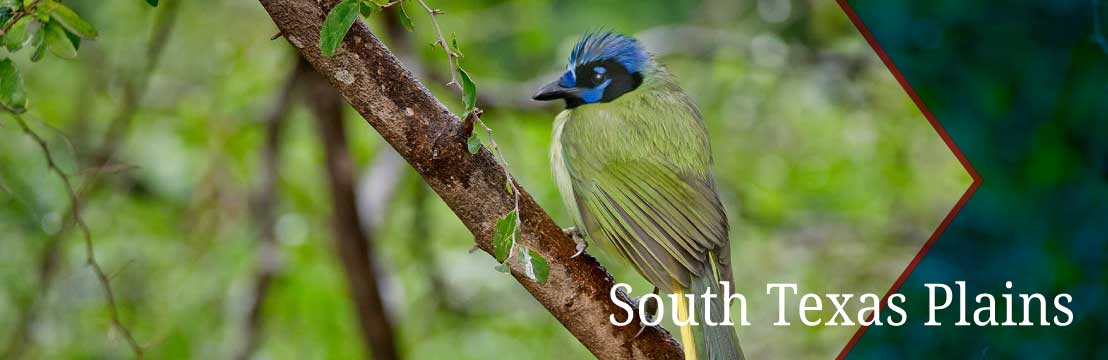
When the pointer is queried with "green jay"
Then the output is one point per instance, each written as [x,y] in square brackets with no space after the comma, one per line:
[632,162]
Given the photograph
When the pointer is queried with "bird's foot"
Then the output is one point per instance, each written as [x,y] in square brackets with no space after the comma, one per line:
[643,324]
[577,238]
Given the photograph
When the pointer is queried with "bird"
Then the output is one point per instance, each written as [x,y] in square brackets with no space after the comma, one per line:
[632,162]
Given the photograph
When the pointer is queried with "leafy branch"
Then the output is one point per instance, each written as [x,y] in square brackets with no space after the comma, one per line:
[42,25]
[508,227]
[15,15]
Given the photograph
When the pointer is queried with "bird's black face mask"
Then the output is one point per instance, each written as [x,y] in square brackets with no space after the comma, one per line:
[597,81]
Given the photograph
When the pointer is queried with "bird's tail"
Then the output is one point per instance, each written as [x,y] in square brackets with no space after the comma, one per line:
[703,341]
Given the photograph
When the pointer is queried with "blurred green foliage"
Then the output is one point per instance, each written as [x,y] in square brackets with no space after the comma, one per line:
[831,176]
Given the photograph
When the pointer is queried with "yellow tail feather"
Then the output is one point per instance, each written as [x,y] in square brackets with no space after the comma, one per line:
[687,340]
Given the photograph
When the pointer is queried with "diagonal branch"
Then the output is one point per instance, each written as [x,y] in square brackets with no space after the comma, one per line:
[429,137]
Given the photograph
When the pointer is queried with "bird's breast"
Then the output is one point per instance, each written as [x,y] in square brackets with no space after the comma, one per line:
[558,166]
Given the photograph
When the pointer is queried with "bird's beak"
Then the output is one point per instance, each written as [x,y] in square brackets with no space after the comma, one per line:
[554,91]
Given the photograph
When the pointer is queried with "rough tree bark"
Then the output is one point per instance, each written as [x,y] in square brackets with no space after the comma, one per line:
[429,137]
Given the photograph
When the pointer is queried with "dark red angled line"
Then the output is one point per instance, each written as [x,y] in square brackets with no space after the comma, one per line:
[949,143]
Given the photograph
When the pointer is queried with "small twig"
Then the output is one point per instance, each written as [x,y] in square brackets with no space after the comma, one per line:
[450,55]
[18,15]
[90,253]
[106,169]
[120,270]
[503,166]
[277,35]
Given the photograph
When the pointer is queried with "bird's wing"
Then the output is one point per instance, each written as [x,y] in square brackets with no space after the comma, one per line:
[660,219]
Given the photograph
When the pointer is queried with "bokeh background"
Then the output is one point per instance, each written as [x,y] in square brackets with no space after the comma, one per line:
[831,176]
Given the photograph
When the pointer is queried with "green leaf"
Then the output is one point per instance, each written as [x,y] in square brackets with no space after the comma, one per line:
[454,45]
[469,90]
[18,36]
[474,143]
[505,236]
[404,19]
[336,25]
[75,39]
[153,3]
[12,95]
[42,12]
[58,43]
[72,22]
[38,41]
[366,10]
[6,14]
[540,267]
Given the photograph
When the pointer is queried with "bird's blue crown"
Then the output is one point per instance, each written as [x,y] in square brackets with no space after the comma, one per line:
[598,46]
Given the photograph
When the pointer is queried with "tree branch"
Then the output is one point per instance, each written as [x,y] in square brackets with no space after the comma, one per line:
[428,136]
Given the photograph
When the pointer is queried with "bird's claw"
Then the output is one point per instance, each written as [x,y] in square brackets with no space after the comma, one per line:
[581,245]
[643,325]
[578,239]
[648,317]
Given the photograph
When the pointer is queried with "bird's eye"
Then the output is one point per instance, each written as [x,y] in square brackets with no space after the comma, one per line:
[599,71]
